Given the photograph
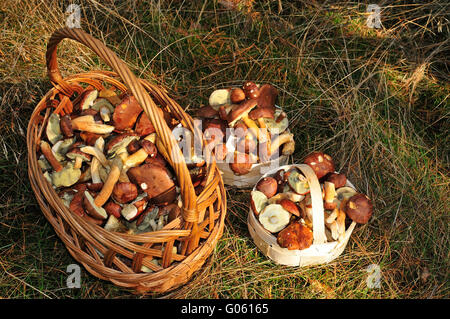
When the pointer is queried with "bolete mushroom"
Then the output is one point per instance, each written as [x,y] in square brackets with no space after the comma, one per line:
[95,211]
[251,90]
[66,177]
[49,156]
[79,156]
[126,113]
[124,192]
[268,186]
[87,123]
[258,201]
[298,182]
[53,129]
[108,186]
[242,164]
[113,208]
[290,206]
[321,163]
[274,218]
[88,99]
[151,178]
[207,112]
[339,180]
[219,97]
[65,125]
[237,95]
[240,111]
[295,236]
[267,96]
[144,126]
[359,208]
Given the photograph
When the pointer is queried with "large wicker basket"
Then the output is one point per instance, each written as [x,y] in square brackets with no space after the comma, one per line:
[119,257]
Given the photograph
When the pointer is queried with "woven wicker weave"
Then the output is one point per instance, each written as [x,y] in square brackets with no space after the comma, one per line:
[119,257]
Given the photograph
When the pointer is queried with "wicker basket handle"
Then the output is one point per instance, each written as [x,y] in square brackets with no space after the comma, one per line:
[190,212]
[316,203]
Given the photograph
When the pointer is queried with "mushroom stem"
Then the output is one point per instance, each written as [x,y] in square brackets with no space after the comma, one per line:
[135,159]
[251,125]
[78,162]
[94,151]
[280,140]
[329,196]
[48,154]
[108,186]
[95,175]
[87,123]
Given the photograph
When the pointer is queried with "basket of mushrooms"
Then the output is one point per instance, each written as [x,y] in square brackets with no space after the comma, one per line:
[111,179]
[248,132]
[304,214]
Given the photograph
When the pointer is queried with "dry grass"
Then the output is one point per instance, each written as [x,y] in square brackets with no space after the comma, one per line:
[375,99]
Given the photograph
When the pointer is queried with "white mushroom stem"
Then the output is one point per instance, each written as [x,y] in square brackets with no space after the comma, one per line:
[96,153]
[151,137]
[333,227]
[280,140]
[95,175]
[108,186]
[87,123]
[329,218]
[105,114]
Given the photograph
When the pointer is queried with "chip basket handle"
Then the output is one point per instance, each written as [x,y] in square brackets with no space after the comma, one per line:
[316,203]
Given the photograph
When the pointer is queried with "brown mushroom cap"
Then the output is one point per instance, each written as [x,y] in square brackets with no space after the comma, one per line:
[149,148]
[65,125]
[76,204]
[359,208]
[113,209]
[251,90]
[126,113]
[237,95]
[242,164]
[268,186]
[240,110]
[93,210]
[290,206]
[339,180]
[124,192]
[295,236]
[321,163]
[166,197]
[144,126]
[267,96]
[261,112]
[119,141]
[207,112]
[152,178]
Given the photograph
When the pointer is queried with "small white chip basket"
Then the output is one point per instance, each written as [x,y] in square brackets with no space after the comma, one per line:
[321,251]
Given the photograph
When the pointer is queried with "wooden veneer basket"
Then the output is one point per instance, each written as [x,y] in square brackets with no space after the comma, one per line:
[321,251]
[119,257]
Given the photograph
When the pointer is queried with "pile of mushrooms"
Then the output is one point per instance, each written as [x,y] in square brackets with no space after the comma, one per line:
[102,160]
[259,130]
[282,203]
